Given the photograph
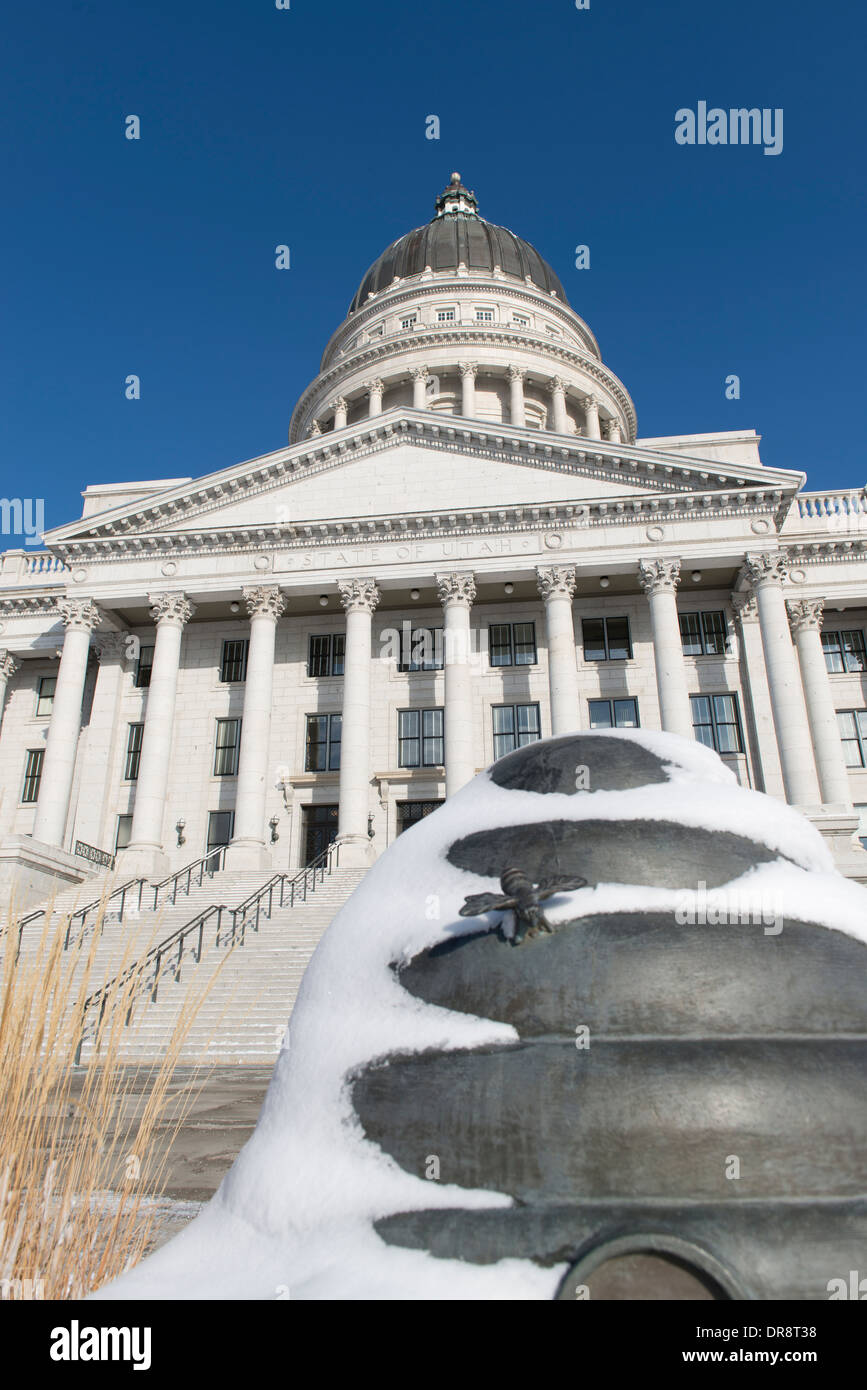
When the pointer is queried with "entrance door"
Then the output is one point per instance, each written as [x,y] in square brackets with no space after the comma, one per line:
[221,826]
[320,830]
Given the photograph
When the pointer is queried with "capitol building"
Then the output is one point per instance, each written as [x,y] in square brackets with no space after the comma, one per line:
[465,546]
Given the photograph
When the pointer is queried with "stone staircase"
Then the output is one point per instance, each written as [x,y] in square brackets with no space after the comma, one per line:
[247,990]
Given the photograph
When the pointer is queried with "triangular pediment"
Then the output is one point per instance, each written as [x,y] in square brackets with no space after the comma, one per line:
[408,463]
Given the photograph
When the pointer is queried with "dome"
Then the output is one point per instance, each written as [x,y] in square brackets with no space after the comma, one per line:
[457,235]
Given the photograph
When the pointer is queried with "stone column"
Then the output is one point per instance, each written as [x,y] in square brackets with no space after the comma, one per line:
[341,409]
[359,597]
[80,617]
[419,387]
[516,395]
[559,420]
[248,849]
[145,853]
[375,390]
[557,586]
[468,372]
[8,667]
[103,747]
[805,619]
[766,572]
[591,417]
[658,579]
[457,592]
[612,432]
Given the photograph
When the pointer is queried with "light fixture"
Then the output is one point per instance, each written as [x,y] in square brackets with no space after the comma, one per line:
[414,593]
[509,588]
[274,822]
[323,600]
[370,830]
[604,582]
[695,576]
[234,607]
[180,829]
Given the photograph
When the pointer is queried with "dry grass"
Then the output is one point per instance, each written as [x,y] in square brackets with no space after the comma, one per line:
[79,1163]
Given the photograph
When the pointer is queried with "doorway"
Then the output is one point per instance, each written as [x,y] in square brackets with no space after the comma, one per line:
[319,830]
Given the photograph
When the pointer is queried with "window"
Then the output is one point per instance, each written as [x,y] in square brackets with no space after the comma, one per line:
[606,639]
[613,714]
[144,667]
[419,738]
[852,724]
[325,655]
[484,316]
[703,634]
[844,651]
[123,833]
[552,332]
[32,774]
[512,644]
[716,722]
[408,321]
[226,748]
[520,321]
[221,828]
[323,742]
[421,649]
[445,315]
[45,697]
[133,751]
[233,663]
[409,812]
[376,332]
[514,727]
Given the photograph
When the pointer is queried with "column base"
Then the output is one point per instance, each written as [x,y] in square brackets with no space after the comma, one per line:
[32,871]
[143,861]
[248,854]
[356,851]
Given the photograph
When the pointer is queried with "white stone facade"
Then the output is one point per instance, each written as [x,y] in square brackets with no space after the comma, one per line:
[443,473]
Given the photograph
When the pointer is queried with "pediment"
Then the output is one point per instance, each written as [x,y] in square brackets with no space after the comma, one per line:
[412,463]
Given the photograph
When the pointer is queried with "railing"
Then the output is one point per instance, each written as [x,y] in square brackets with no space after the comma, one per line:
[214,862]
[125,890]
[143,977]
[833,504]
[18,565]
[94,855]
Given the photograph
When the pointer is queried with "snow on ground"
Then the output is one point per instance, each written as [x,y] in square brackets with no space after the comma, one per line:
[293,1217]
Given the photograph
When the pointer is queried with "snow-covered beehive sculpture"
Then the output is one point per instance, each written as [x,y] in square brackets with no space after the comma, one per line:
[675,1073]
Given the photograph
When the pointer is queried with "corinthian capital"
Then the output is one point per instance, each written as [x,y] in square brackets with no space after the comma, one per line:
[420,373]
[375,387]
[556,384]
[805,613]
[744,605]
[264,601]
[765,567]
[658,576]
[171,608]
[516,373]
[110,646]
[8,664]
[468,369]
[358,595]
[558,581]
[79,614]
[456,588]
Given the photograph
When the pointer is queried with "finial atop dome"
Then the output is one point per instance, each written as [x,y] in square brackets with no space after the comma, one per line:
[456,198]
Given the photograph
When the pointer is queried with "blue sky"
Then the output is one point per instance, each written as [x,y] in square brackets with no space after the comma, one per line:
[262,126]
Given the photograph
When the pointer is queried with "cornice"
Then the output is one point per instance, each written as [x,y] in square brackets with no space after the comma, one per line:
[422,339]
[34,605]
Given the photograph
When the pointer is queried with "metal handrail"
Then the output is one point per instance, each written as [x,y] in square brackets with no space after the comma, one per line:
[122,888]
[161,954]
[218,855]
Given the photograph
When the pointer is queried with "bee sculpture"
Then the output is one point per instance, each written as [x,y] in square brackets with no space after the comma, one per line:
[524,898]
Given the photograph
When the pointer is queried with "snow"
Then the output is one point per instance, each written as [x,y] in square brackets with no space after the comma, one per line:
[294,1216]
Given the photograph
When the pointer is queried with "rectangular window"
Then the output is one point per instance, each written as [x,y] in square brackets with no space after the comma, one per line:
[409,812]
[704,634]
[420,738]
[844,651]
[445,315]
[613,714]
[484,316]
[514,727]
[325,654]
[716,722]
[221,828]
[144,666]
[552,332]
[45,697]
[123,833]
[233,663]
[512,644]
[32,774]
[226,748]
[852,724]
[421,649]
[323,742]
[133,751]
[520,321]
[606,639]
[408,321]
